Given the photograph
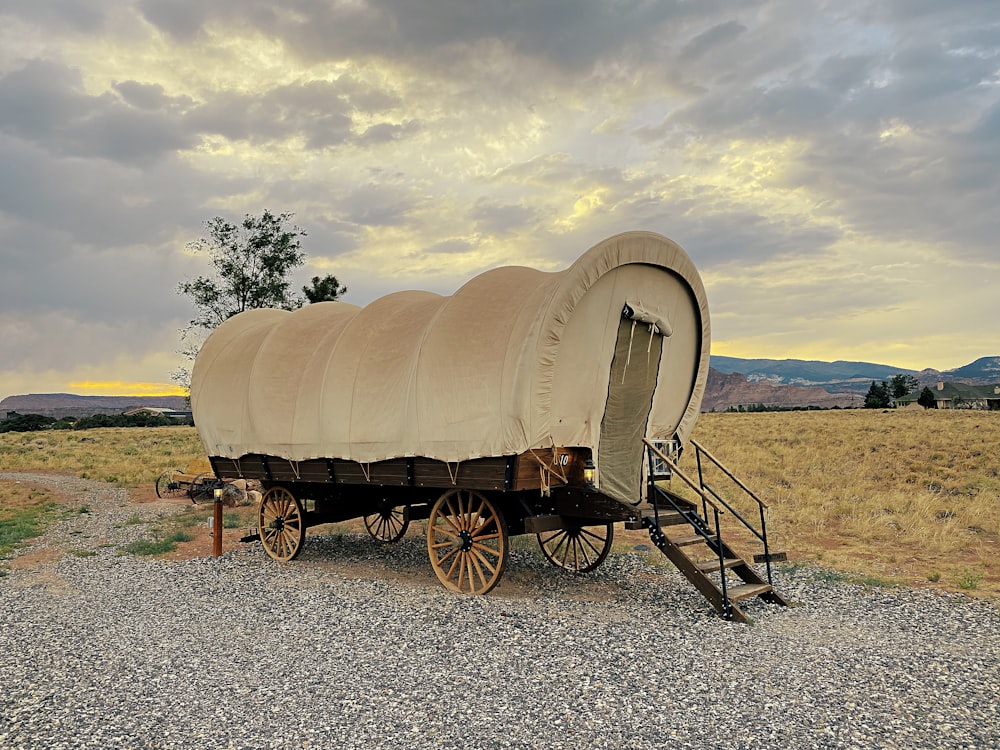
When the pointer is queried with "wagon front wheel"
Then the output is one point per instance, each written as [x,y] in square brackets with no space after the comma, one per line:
[167,484]
[467,542]
[577,548]
[282,524]
[389,524]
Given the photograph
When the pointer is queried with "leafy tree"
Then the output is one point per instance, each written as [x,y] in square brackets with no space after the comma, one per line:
[902,385]
[327,289]
[26,423]
[878,396]
[251,264]
[926,398]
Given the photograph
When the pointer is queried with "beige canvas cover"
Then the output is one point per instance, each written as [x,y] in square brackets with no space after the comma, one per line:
[515,359]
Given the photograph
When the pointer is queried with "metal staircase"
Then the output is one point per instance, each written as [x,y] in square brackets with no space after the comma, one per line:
[698,550]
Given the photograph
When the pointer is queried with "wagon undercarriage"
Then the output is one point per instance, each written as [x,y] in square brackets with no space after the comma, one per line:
[468,528]
[470,508]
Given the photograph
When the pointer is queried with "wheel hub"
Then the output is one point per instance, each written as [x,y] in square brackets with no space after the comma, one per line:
[466,539]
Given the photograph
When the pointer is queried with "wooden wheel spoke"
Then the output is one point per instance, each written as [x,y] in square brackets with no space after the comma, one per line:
[457,554]
[446,533]
[461,569]
[476,546]
[586,544]
[483,561]
[450,516]
[565,555]
[474,520]
[486,537]
[474,569]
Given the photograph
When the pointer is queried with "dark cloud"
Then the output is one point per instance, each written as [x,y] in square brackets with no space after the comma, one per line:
[385,132]
[73,15]
[502,219]
[377,205]
[44,103]
[706,41]
[568,34]
[182,19]
[150,96]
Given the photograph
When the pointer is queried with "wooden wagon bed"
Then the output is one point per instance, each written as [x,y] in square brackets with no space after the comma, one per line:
[532,470]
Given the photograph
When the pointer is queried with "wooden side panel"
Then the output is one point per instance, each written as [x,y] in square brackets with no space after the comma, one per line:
[225,468]
[560,462]
[315,470]
[391,472]
[283,470]
[253,467]
[349,472]
[477,474]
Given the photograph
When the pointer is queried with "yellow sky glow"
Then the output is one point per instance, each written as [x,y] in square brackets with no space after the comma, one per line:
[123,388]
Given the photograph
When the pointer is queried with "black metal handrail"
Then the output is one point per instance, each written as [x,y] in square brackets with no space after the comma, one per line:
[712,533]
[710,497]
[761,505]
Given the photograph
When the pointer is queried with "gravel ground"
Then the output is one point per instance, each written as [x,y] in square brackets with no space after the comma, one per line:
[355,645]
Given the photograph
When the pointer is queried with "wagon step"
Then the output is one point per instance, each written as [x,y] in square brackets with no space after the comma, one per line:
[710,566]
[665,518]
[726,578]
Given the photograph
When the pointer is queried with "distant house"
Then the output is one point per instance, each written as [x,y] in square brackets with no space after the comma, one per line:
[958,396]
[179,416]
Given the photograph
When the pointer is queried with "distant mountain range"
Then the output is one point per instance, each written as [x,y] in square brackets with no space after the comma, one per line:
[61,405]
[797,382]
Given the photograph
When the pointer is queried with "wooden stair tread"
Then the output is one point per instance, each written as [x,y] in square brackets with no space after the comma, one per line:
[746,590]
[684,541]
[707,566]
[667,518]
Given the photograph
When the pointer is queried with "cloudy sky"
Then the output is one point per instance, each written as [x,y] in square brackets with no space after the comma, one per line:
[833,168]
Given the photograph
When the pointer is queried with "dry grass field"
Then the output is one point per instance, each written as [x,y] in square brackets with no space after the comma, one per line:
[886,497]
[879,497]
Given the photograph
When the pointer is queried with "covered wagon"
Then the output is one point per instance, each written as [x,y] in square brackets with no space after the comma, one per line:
[525,402]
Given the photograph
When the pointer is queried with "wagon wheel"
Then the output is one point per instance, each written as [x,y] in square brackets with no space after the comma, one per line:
[389,524]
[202,487]
[167,484]
[467,542]
[282,524]
[577,548]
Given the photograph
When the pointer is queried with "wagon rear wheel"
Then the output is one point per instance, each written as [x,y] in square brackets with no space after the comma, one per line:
[389,524]
[167,484]
[282,524]
[577,548]
[467,542]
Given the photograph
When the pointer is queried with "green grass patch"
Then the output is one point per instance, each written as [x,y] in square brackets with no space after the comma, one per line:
[969,580]
[18,524]
[160,546]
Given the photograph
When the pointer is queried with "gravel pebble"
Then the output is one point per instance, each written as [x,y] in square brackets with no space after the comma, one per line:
[356,645]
